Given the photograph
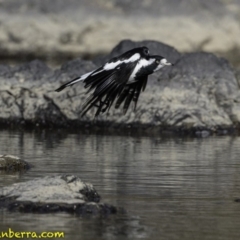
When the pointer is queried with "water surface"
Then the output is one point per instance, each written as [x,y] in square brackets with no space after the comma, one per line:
[172,188]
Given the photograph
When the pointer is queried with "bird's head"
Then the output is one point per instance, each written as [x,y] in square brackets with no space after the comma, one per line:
[151,64]
[144,51]
[158,62]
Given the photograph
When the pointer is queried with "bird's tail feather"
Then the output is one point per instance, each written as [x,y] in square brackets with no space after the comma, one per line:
[106,90]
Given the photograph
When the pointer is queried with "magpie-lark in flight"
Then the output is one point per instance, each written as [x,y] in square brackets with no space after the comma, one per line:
[121,79]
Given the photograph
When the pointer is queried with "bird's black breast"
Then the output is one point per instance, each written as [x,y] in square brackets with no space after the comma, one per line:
[145,71]
[124,71]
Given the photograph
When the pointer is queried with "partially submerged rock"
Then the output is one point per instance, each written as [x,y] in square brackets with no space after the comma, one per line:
[200,92]
[13,163]
[65,193]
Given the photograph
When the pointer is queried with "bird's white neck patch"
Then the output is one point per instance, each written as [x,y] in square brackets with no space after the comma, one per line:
[142,63]
[112,65]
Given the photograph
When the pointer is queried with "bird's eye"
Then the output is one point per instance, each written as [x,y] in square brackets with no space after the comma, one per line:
[146,51]
[157,61]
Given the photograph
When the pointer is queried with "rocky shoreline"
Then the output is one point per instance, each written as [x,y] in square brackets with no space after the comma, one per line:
[201,92]
[63,193]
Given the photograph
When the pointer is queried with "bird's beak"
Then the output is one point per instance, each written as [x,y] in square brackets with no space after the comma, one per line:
[168,64]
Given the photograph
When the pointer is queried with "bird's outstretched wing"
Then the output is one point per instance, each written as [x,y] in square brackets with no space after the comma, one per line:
[131,93]
[74,81]
[130,57]
[115,80]
[106,86]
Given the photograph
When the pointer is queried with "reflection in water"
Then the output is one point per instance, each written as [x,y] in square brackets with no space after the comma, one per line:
[172,188]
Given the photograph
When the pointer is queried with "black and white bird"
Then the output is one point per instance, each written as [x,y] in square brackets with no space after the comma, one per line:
[119,80]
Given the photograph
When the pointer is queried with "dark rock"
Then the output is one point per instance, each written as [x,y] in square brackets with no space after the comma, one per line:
[200,92]
[55,194]
[13,163]
[204,88]
[34,70]
[79,208]
[6,71]
[75,68]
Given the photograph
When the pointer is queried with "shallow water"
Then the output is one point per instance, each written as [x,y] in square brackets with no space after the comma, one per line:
[172,188]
